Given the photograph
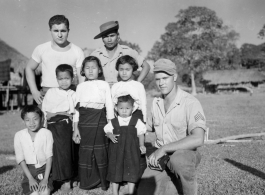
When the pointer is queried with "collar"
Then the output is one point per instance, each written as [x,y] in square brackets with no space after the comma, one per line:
[125,120]
[176,101]
[117,52]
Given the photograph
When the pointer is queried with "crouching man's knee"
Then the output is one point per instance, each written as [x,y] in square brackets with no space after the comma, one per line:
[184,162]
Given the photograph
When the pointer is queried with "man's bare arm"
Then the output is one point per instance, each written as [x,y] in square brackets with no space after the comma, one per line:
[191,142]
[144,72]
[30,75]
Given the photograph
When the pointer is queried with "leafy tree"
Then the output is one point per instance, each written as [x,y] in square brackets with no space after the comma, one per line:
[198,41]
[131,45]
[252,56]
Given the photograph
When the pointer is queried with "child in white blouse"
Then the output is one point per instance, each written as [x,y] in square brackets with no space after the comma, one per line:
[33,149]
[93,100]
[127,135]
[59,107]
[125,66]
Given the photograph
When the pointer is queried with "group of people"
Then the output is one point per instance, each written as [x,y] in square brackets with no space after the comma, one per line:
[98,103]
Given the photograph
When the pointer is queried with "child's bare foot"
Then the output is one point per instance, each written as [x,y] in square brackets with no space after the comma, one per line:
[66,186]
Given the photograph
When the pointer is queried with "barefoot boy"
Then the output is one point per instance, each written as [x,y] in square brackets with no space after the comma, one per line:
[33,149]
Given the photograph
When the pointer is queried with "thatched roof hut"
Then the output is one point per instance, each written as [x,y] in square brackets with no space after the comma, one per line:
[233,77]
[18,61]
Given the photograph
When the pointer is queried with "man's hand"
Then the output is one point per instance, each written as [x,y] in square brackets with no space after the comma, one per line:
[76,136]
[153,158]
[113,137]
[143,149]
[33,185]
[38,97]
[43,185]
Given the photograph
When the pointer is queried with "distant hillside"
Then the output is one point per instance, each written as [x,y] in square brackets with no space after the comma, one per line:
[18,61]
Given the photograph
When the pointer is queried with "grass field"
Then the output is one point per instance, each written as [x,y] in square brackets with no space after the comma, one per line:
[234,168]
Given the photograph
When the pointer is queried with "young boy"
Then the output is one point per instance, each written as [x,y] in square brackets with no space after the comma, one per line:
[33,149]
[52,53]
[58,107]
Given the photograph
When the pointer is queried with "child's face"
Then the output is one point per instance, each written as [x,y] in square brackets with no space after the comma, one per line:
[124,109]
[91,70]
[59,33]
[125,71]
[64,80]
[32,121]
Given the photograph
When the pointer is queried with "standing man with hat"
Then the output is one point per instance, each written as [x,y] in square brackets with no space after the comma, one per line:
[112,50]
[51,54]
[179,124]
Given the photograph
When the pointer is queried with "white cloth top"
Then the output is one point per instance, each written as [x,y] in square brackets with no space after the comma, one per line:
[133,88]
[140,126]
[95,94]
[49,59]
[36,152]
[58,100]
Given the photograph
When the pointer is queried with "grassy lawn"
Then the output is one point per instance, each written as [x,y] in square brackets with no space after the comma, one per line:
[234,168]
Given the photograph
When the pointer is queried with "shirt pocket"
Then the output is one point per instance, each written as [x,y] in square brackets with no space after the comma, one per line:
[179,127]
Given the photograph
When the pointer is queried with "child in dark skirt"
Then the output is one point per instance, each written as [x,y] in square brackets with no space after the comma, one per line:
[33,149]
[127,135]
[59,109]
[95,109]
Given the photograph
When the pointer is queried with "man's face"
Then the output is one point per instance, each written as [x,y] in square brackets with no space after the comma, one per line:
[165,82]
[59,33]
[111,40]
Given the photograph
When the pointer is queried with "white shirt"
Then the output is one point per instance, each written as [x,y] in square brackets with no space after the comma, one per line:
[58,100]
[49,59]
[140,126]
[36,152]
[133,88]
[95,94]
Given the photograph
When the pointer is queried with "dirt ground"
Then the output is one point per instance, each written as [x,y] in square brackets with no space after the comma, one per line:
[230,168]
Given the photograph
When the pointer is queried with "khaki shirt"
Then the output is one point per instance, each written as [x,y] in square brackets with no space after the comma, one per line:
[184,114]
[108,65]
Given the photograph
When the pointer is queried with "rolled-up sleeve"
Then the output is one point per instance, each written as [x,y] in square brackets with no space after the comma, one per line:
[49,145]
[18,149]
[196,117]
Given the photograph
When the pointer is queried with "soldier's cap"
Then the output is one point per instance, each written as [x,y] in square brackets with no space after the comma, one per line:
[165,65]
[107,27]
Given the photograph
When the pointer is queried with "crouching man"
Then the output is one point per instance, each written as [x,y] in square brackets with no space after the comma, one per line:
[179,124]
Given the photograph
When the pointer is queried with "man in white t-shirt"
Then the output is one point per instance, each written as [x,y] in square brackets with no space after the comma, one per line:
[51,54]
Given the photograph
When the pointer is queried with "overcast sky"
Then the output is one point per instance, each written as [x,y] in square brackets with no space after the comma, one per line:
[24,23]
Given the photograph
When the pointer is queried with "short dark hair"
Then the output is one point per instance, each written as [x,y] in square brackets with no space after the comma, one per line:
[31,108]
[126,98]
[65,68]
[90,59]
[127,59]
[59,19]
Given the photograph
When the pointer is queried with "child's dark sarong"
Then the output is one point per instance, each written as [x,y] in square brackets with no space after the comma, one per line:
[124,156]
[62,164]
[93,151]
[34,172]
[138,114]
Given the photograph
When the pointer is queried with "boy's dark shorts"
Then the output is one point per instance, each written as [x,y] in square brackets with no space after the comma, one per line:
[35,172]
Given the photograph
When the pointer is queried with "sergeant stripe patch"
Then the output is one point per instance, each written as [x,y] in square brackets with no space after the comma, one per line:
[198,117]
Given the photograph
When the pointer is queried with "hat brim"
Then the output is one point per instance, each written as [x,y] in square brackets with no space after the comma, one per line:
[169,72]
[106,32]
